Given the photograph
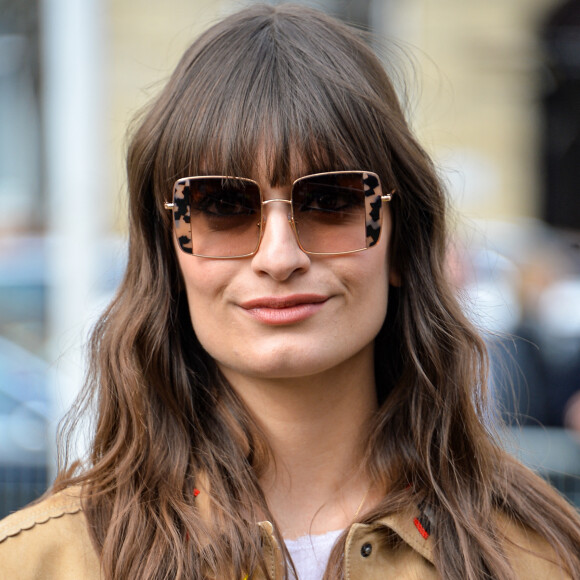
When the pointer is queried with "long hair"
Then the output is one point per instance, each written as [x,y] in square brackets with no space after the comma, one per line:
[304,93]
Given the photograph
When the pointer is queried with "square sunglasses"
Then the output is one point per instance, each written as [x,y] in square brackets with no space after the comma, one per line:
[338,212]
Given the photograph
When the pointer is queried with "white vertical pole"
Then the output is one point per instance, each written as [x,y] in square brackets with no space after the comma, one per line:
[76,183]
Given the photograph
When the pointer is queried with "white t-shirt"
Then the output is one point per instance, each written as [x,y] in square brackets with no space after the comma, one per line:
[310,554]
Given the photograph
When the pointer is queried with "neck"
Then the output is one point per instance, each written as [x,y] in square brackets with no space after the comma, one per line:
[316,428]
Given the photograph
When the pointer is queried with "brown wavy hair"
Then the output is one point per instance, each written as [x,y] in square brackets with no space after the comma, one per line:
[306,92]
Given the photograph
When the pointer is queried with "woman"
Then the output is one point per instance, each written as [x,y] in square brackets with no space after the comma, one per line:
[285,382]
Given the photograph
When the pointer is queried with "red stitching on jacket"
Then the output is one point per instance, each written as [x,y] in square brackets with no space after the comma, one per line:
[421,529]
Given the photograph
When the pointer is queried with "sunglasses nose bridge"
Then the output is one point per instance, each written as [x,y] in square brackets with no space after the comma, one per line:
[278,199]
[289,216]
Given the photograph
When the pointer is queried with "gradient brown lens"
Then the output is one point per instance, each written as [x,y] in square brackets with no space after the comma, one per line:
[329,212]
[224,215]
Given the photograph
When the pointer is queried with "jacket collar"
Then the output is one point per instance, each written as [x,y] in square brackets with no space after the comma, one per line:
[412,526]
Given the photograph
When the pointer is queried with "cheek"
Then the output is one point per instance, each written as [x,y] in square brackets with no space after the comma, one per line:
[368,283]
[377,300]
[204,281]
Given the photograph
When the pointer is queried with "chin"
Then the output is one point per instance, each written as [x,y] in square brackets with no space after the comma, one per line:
[287,364]
[283,368]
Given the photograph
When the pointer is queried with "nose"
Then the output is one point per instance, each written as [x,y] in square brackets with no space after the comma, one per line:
[279,255]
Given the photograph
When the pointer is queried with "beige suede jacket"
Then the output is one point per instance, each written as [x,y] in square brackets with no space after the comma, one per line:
[50,541]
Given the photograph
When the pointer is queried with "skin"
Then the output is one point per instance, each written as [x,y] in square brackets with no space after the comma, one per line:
[309,382]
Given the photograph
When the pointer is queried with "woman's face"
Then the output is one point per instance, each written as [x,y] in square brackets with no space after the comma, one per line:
[283,313]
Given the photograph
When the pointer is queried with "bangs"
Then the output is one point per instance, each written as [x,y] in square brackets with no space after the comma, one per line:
[262,105]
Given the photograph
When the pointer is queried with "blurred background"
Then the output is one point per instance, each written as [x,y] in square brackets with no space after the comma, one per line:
[493,91]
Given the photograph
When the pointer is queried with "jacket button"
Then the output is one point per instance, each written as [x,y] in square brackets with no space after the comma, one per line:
[366,550]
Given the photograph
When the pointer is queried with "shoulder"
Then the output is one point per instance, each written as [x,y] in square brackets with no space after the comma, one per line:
[530,555]
[53,507]
[49,539]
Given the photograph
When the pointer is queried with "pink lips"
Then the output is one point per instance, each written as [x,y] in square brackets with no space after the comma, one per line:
[278,310]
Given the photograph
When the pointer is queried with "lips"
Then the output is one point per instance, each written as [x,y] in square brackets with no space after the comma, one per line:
[283,310]
[284,301]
